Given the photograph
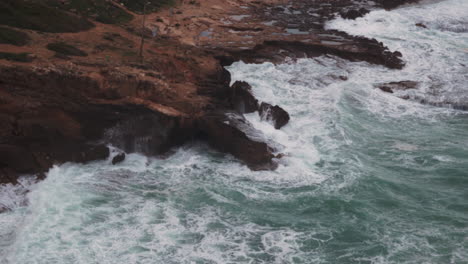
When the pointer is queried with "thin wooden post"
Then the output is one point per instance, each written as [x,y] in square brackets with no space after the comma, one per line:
[143,32]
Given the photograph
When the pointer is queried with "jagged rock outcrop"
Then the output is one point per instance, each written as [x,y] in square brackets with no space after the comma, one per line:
[54,110]
[230,132]
[118,158]
[274,114]
[242,99]
[354,13]
[391,87]
[63,117]
[361,49]
[421,25]
[390,4]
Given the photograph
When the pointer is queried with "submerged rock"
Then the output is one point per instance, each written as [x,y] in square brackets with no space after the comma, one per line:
[391,87]
[275,114]
[421,25]
[118,158]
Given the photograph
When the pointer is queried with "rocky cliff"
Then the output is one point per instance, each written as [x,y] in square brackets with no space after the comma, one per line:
[73,79]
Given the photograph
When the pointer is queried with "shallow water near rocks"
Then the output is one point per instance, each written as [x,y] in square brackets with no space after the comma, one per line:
[367,177]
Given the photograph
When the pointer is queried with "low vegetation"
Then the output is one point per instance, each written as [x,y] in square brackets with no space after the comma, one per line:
[36,15]
[66,49]
[101,10]
[13,37]
[72,15]
[21,57]
[153,5]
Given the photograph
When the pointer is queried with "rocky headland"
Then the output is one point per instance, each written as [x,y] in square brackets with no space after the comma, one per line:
[73,79]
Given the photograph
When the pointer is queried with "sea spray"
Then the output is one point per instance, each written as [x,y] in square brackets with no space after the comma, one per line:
[367,177]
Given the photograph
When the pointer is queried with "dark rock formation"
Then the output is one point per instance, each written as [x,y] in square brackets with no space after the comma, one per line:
[354,13]
[242,99]
[390,4]
[150,133]
[118,158]
[90,153]
[230,132]
[275,114]
[421,25]
[362,49]
[397,86]
[56,111]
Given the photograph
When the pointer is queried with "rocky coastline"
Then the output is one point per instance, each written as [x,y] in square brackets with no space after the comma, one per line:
[93,89]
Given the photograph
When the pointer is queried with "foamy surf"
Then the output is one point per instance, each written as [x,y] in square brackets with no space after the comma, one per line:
[368,177]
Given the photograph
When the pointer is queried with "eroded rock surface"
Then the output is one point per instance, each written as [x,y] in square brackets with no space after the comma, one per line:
[391,87]
[274,114]
[230,132]
[118,158]
[57,109]
[242,99]
[354,13]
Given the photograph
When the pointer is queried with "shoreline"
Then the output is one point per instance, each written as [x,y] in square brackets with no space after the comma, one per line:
[60,107]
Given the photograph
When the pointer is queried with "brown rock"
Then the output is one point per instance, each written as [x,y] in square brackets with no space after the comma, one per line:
[421,25]
[51,110]
[232,133]
[390,4]
[354,13]
[275,114]
[89,153]
[7,175]
[20,158]
[118,158]
[391,87]
[242,99]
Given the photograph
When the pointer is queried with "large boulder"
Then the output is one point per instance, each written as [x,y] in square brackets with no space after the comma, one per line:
[242,99]
[118,158]
[274,114]
[230,132]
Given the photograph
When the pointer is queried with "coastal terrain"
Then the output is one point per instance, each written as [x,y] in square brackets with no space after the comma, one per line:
[78,75]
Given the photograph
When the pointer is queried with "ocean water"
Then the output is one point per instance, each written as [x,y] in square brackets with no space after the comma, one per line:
[367,177]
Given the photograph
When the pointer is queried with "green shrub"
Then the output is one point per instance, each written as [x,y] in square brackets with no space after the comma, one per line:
[21,57]
[66,49]
[130,53]
[100,10]
[137,5]
[14,37]
[38,16]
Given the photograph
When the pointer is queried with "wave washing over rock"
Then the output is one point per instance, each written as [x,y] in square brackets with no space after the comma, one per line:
[366,176]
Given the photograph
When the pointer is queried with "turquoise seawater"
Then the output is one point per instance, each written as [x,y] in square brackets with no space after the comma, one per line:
[367,177]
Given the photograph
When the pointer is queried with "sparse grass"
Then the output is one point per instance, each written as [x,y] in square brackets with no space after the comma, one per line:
[100,10]
[38,16]
[130,54]
[137,5]
[21,57]
[13,37]
[66,49]
[117,39]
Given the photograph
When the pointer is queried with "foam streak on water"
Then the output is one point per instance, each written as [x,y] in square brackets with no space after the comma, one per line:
[367,177]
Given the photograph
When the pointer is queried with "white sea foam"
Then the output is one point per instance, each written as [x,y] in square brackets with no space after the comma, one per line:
[435,57]
[201,206]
